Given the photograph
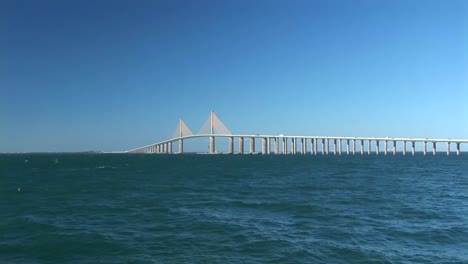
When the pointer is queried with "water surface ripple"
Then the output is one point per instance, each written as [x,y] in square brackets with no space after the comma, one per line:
[89,208]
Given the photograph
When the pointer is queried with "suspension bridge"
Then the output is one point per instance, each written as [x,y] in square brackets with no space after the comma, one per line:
[280,144]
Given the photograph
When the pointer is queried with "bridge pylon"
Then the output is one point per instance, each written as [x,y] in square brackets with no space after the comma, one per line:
[213,126]
[182,130]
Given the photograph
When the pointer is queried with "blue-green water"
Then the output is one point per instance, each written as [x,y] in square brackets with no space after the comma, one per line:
[70,208]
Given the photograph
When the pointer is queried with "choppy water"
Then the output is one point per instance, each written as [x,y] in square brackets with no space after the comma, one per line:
[70,208]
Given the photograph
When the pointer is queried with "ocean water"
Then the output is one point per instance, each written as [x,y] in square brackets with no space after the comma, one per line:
[116,208]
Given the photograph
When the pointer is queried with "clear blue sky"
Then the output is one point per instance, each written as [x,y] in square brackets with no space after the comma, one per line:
[114,75]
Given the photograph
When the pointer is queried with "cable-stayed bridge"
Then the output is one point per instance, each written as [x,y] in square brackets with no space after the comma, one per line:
[280,144]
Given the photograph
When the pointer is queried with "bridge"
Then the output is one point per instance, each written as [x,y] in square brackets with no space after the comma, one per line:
[213,128]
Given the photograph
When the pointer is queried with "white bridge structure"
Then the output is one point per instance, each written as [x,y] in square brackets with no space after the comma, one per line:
[213,128]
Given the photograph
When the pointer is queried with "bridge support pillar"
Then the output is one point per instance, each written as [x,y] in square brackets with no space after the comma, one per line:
[304,142]
[231,145]
[252,145]
[268,145]
[170,148]
[425,148]
[315,146]
[385,147]
[334,146]
[458,148]
[369,146]
[394,148]
[362,147]
[347,147]
[285,146]
[327,145]
[302,146]
[264,146]
[448,148]
[413,148]
[212,145]
[404,148]
[354,147]
[340,146]
[293,146]
[377,147]
[241,145]
[276,146]
[434,148]
[311,146]
[323,146]
[181,146]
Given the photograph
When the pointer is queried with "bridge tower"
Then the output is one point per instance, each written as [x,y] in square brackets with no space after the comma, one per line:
[181,131]
[213,126]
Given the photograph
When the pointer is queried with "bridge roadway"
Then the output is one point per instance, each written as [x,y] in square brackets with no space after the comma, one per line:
[283,140]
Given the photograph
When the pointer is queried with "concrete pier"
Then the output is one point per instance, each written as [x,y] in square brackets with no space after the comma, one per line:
[268,139]
[294,146]
[362,147]
[276,146]
[181,146]
[252,145]
[304,146]
[458,148]
[425,148]
[312,146]
[394,148]
[448,148]
[334,146]
[264,146]
[285,146]
[231,145]
[347,147]
[404,148]
[212,145]
[369,144]
[413,148]
[339,146]
[377,148]
[315,146]
[241,145]
[434,148]
[327,145]
[323,146]
[354,147]
[385,147]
